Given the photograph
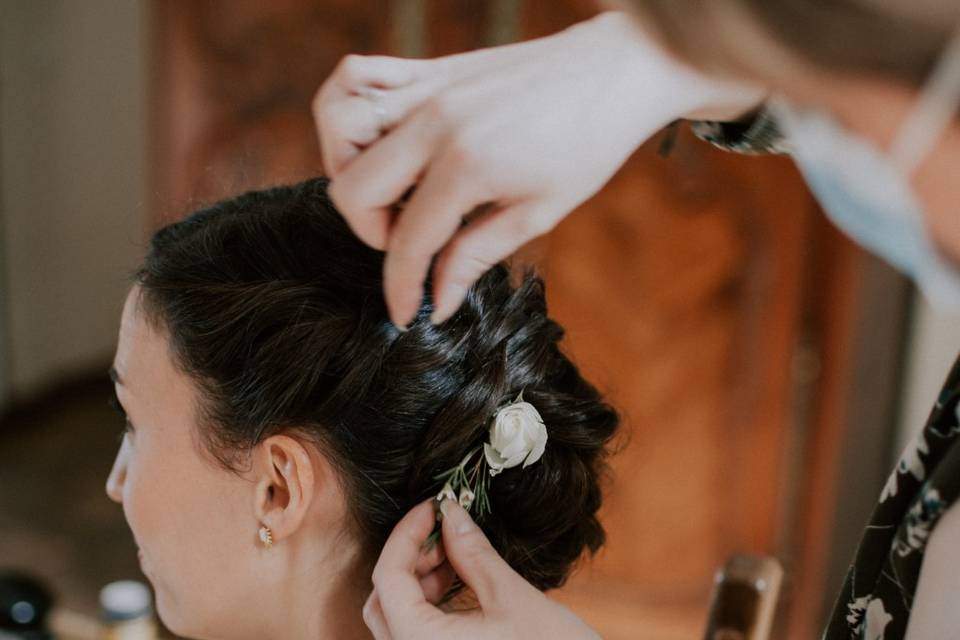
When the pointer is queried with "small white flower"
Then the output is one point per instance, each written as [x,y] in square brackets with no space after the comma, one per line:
[466,498]
[517,435]
[446,493]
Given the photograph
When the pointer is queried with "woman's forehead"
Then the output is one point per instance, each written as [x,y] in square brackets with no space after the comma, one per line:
[157,389]
[142,355]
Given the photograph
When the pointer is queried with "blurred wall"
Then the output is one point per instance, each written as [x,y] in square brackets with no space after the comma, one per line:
[932,349]
[72,181]
[4,320]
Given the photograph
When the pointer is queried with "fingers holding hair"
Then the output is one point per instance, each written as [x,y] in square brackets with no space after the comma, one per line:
[403,604]
[486,240]
[367,190]
[374,619]
[476,562]
[428,221]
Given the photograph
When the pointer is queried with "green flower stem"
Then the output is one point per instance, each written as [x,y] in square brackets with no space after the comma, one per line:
[459,478]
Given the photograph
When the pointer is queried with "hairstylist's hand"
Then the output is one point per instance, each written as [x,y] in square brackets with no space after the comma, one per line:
[532,129]
[403,587]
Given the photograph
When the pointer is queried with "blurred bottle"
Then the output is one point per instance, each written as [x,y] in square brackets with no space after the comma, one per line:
[24,606]
[126,609]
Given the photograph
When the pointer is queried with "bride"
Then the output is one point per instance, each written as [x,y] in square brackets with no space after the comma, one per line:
[278,425]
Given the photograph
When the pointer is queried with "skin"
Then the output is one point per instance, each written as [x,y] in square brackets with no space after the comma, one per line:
[503,128]
[196,523]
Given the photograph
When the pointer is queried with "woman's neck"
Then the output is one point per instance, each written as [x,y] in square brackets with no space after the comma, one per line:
[321,597]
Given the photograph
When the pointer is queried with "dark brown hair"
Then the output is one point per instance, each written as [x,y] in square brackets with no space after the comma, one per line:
[847,36]
[276,310]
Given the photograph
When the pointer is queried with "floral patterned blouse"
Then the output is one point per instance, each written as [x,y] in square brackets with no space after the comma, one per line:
[878,592]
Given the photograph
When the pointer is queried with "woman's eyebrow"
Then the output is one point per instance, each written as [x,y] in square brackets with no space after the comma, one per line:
[115,376]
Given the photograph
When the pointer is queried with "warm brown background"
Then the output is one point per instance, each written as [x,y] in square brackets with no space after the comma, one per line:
[702,291]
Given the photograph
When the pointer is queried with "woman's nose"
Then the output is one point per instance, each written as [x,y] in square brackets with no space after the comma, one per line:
[118,475]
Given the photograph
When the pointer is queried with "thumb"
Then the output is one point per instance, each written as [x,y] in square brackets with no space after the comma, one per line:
[475,560]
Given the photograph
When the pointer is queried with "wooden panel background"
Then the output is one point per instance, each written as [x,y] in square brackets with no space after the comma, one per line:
[685,286]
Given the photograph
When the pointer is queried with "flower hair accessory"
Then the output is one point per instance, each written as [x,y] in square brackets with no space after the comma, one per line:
[517,436]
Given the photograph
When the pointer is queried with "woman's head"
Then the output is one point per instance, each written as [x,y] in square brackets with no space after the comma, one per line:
[267,386]
[888,39]
[866,63]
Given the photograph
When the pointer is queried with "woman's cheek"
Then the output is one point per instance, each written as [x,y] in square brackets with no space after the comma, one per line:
[132,499]
[140,496]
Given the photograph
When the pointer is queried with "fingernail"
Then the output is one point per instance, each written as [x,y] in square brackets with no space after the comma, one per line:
[403,314]
[443,310]
[445,506]
[402,325]
[458,517]
[440,315]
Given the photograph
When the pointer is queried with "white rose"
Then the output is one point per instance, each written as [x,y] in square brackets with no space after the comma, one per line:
[517,435]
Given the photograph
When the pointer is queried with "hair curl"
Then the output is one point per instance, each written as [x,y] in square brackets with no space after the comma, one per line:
[275,310]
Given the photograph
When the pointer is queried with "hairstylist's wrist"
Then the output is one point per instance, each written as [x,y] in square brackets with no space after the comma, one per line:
[724,100]
[657,85]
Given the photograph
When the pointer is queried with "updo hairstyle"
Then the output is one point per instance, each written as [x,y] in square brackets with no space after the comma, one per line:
[275,310]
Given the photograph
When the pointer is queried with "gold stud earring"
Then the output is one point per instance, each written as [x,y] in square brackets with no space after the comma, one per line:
[266,536]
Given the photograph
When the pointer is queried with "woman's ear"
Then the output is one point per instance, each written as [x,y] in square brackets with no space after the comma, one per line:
[285,480]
